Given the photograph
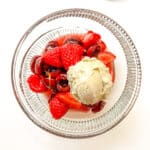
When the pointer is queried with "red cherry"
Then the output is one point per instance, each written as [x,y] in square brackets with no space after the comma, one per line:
[98,106]
[38,66]
[102,46]
[51,45]
[32,63]
[62,83]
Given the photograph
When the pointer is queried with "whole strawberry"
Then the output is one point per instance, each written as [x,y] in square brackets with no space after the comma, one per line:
[57,108]
[52,57]
[71,54]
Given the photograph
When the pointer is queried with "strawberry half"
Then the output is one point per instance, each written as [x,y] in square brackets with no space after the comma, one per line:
[90,38]
[36,83]
[111,70]
[57,108]
[69,100]
[71,54]
[102,45]
[106,57]
[52,57]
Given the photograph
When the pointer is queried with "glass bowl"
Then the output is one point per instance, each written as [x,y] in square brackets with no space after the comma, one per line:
[127,67]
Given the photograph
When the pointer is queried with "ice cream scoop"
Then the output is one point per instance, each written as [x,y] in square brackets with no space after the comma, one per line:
[89,80]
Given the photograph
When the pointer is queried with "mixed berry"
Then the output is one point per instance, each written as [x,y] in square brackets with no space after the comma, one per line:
[49,70]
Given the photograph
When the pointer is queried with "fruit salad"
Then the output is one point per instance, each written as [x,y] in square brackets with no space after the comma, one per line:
[75,71]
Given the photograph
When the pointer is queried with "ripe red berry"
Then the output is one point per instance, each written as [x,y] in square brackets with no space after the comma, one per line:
[57,108]
[36,83]
[98,106]
[71,54]
[106,57]
[52,57]
[51,45]
[93,50]
[71,101]
[32,63]
[102,45]
[90,38]
[62,83]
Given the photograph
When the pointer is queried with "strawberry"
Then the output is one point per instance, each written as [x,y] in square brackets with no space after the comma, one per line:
[111,70]
[93,50]
[52,57]
[48,93]
[36,83]
[106,57]
[71,54]
[57,108]
[102,45]
[90,38]
[70,100]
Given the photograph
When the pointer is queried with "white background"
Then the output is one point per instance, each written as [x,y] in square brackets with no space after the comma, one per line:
[17,132]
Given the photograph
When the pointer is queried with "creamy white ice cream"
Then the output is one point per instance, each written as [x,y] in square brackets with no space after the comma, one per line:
[89,80]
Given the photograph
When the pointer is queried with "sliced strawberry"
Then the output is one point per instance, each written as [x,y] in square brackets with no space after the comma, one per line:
[71,54]
[70,100]
[93,50]
[102,45]
[106,57]
[52,57]
[111,70]
[36,83]
[90,38]
[57,108]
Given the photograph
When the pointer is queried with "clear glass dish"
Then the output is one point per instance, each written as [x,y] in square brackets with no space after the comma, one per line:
[127,66]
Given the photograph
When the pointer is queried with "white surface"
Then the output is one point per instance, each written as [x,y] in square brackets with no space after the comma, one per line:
[18,132]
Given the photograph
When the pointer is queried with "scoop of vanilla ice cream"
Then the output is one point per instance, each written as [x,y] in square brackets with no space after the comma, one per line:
[89,80]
